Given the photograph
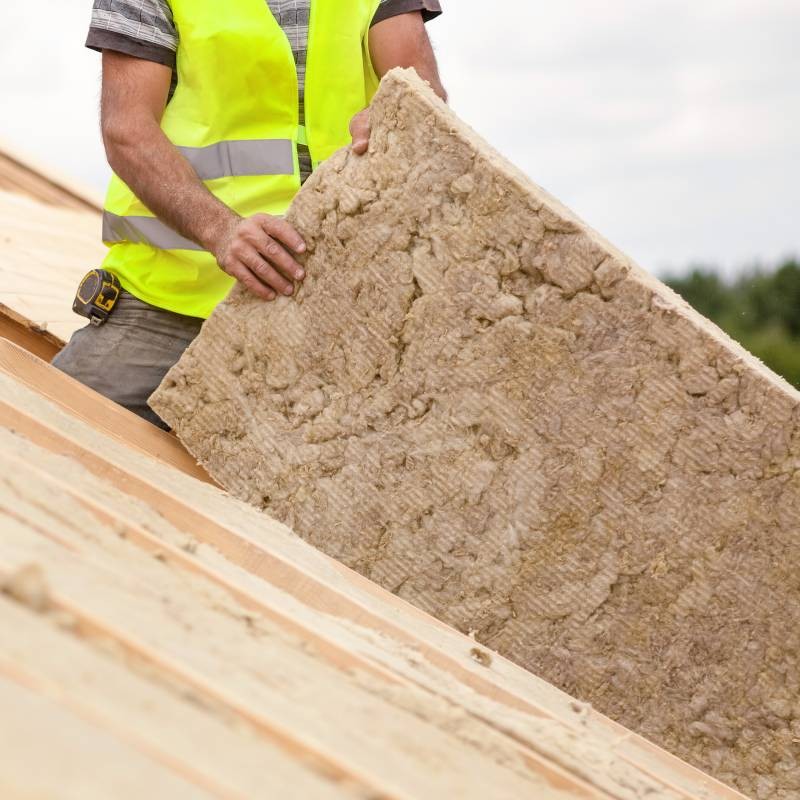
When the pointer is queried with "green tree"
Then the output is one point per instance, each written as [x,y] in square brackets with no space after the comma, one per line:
[760,309]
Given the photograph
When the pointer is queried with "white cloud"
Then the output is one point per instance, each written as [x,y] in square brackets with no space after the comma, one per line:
[50,86]
[673,127]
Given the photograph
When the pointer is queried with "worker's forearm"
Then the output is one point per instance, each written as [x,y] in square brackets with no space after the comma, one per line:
[258,251]
[165,182]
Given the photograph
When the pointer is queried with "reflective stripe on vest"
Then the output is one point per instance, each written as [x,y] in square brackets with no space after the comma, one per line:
[144,230]
[235,159]
[241,158]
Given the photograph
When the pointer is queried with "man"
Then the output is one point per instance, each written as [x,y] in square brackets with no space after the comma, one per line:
[213,114]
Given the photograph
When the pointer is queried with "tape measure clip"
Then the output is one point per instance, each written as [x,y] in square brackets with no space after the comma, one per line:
[97,295]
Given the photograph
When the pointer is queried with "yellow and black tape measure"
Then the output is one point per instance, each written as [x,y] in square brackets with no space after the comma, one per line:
[97,295]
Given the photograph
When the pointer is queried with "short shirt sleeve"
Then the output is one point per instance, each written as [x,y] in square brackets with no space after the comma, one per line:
[392,8]
[141,28]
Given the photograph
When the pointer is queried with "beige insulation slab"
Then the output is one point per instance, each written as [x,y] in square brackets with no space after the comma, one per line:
[96,563]
[477,402]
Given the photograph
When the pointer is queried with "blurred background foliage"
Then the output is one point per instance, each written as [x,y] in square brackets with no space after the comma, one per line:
[760,308]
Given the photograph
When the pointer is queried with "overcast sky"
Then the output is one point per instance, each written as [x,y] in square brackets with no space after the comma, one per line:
[671,126]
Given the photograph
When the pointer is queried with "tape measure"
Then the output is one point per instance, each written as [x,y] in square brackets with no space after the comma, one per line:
[97,295]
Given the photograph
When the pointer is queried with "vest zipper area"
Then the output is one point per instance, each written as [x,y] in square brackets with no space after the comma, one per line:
[310,64]
[296,101]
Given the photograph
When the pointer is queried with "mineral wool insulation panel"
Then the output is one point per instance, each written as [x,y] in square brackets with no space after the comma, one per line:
[477,402]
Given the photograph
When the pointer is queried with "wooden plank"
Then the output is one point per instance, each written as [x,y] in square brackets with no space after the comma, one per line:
[91,626]
[19,674]
[374,610]
[48,752]
[96,410]
[179,629]
[23,333]
[22,171]
[44,253]
[335,652]
[159,722]
[183,559]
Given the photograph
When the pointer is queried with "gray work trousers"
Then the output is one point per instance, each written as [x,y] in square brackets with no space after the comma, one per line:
[126,358]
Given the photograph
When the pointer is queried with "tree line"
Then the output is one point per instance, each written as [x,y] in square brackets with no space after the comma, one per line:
[759,308]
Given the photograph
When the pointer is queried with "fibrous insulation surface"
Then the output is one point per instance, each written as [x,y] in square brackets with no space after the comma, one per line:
[478,403]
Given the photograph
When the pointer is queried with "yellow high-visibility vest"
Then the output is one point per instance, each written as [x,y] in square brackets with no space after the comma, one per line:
[234,115]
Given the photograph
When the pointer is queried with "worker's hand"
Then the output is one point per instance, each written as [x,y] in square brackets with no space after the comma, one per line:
[258,252]
[360,130]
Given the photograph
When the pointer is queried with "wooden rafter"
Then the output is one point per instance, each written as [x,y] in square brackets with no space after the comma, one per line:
[364,606]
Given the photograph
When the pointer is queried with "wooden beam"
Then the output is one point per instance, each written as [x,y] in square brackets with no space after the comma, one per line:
[154,719]
[165,627]
[49,752]
[91,626]
[22,173]
[96,410]
[281,572]
[334,652]
[18,674]
[24,334]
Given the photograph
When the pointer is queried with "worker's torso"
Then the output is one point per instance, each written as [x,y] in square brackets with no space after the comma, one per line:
[235,114]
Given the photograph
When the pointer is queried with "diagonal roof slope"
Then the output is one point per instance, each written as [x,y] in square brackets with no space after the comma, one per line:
[49,238]
[21,174]
[159,637]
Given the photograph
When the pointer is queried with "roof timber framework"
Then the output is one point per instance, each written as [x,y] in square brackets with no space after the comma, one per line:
[205,651]
[44,252]
[22,175]
[49,238]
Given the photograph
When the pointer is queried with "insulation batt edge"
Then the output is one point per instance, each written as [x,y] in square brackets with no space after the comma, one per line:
[477,402]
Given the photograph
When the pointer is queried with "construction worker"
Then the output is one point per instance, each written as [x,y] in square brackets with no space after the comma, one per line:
[213,114]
